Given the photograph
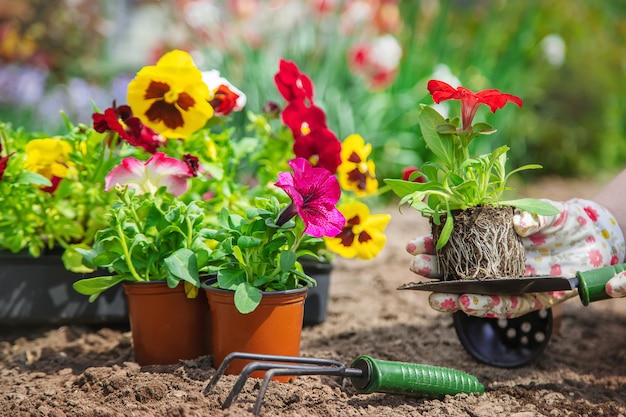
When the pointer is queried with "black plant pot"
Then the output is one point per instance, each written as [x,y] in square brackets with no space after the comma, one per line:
[38,291]
[316,303]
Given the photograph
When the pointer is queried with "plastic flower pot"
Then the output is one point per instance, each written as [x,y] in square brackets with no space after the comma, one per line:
[38,291]
[273,328]
[316,304]
[167,326]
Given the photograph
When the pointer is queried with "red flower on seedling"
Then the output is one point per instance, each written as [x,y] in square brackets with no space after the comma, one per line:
[321,148]
[408,171]
[470,101]
[314,192]
[120,119]
[291,83]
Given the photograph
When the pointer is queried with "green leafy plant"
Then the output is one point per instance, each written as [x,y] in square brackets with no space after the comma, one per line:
[254,254]
[148,238]
[51,189]
[458,180]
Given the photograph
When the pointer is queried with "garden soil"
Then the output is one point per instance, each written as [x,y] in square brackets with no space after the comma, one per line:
[90,371]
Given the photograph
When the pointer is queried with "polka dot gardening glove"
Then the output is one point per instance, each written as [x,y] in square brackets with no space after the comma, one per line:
[583,236]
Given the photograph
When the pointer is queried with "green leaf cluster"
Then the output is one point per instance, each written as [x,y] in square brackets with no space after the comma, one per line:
[252,254]
[148,238]
[35,220]
[456,180]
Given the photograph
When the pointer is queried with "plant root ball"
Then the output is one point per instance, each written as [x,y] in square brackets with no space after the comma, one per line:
[483,244]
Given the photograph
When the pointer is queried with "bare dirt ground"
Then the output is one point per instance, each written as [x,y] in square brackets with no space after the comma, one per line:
[82,371]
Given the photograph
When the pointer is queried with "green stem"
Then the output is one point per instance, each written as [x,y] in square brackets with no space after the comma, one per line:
[127,254]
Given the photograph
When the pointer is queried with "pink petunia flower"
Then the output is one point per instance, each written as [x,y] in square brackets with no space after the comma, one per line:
[314,192]
[158,171]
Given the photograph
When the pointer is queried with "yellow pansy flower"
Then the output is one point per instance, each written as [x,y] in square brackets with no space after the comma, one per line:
[356,173]
[48,157]
[170,97]
[362,235]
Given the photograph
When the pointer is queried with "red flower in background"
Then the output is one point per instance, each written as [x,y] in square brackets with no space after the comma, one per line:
[119,119]
[193,163]
[470,101]
[302,119]
[321,148]
[3,162]
[313,140]
[224,100]
[291,83]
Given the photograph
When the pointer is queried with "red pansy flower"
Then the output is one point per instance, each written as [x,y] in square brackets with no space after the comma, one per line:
[302,119]
[321,148]
[293,84]
[3,162]
[193,164]
[470,101]
[120,120]
[224,100]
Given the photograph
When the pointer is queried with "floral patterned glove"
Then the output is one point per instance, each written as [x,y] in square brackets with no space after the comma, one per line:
[581,237]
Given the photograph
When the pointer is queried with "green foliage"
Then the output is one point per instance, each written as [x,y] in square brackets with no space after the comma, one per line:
[37,220]
[148,238]
[253,254]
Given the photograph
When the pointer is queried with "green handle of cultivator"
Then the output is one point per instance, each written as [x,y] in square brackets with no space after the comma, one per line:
[411,379]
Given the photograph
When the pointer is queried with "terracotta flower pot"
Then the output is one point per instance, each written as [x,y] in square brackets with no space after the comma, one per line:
[167,326]
[274,327]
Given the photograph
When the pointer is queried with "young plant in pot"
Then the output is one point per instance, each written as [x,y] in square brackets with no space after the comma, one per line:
[461,193]
[155,246]
[257,298]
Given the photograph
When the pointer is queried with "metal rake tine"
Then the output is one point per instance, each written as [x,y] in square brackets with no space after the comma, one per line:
[227,360]
[260,366]
[302,370]
[262,357]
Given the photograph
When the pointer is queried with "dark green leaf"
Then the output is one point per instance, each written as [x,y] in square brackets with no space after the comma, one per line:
[182,265]
[95,285]
[287,260]
[446,231]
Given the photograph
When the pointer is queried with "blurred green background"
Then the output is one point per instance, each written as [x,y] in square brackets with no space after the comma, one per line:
[565,58]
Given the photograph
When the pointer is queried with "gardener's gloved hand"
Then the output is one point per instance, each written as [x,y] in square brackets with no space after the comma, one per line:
[582,237]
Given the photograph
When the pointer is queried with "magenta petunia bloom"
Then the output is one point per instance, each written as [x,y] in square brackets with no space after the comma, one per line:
[314,192]
[470,101]
[291,83]
[158,171]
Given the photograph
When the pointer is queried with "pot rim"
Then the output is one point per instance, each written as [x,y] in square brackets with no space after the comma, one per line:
[206,285]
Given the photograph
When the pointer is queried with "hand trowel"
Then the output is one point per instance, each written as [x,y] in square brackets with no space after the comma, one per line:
[590,284]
